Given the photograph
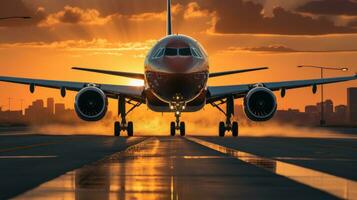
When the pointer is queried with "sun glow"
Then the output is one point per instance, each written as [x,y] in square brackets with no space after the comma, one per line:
[136,82]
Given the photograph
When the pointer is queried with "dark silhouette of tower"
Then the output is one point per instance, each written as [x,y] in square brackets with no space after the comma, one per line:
[50,106]
[352,104]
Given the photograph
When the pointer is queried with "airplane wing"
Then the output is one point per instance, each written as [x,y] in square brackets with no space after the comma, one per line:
[112,91]
[115,73]
[238,91]
[217,74]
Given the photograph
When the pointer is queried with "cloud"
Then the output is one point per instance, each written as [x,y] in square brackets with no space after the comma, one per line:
[128,20]
[75,15]
[85,48]
[79,16]
[161,16]
[85,45]
[193,10]
[330,7]
[282,49]
[19,8]
[272,48]
[239,17]
[353,23]
[269,5]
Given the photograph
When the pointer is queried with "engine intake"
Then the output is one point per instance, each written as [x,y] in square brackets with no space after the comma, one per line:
[260,104]
[91,104]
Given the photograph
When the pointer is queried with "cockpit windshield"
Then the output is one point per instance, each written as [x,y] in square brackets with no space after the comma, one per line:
[185,52]
[177,52]
[170,52]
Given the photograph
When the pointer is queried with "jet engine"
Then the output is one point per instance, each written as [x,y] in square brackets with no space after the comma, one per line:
[91,104]
[260,104]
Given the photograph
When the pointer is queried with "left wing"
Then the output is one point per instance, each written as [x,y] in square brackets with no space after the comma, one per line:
[112,91]
[238,91]
[114,73]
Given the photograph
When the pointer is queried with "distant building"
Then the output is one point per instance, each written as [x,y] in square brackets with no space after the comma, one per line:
[352,104]
[340,116]
[11,116]
[311,109]
[293,116]
[328,107]
[37,113]
[36,110]
[60,109]
[50,105]
[341,110]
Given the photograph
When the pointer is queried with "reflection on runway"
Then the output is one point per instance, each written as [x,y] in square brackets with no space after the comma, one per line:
[337,186]
[174,168]
[137,173]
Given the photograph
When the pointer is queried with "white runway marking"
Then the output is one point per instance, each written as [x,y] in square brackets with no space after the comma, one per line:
[26,157]
[337,186]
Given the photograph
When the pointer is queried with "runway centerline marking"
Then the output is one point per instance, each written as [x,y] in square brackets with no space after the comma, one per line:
[336,186]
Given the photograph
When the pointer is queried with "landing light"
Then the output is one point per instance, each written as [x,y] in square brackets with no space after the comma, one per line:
[136,82]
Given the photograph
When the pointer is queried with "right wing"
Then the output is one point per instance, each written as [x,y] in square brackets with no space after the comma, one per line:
[239,91]
[115,73]
[112,91]
[217,74]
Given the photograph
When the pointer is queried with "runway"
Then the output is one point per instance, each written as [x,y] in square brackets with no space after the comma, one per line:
[98,167]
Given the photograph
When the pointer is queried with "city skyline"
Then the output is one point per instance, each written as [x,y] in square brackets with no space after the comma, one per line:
[339,114]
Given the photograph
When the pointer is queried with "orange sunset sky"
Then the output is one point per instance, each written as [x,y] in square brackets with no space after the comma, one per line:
[116,35]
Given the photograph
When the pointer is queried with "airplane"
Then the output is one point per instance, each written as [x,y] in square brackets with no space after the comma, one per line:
[175,81]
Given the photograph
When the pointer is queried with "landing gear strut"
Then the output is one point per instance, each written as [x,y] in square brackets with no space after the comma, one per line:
[124,125]
[228,125]
[177,126]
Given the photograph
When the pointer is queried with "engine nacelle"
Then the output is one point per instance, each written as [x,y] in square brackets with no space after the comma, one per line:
[91,104]
[260,104]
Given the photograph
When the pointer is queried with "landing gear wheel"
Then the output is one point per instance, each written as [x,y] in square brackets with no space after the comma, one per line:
[221,129]
[172,129]
[182,129]
[116,129]
[130,129]
[235,129]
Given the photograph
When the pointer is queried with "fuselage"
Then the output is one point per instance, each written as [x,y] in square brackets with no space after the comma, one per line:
[176,73]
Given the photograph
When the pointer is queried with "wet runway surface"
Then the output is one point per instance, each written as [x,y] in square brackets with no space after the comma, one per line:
[29,160]
[333,156]
[178,168]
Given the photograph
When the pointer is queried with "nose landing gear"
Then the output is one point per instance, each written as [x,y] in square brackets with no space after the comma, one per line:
[177,126]
[177,106]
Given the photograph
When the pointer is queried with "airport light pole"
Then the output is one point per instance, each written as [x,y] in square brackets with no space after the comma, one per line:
[344,69]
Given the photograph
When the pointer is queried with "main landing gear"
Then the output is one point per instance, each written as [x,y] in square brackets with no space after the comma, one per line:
[177,126]
[228,125]
[124,125]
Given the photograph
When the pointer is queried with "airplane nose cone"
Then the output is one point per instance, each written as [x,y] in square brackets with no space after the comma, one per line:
[179,64]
